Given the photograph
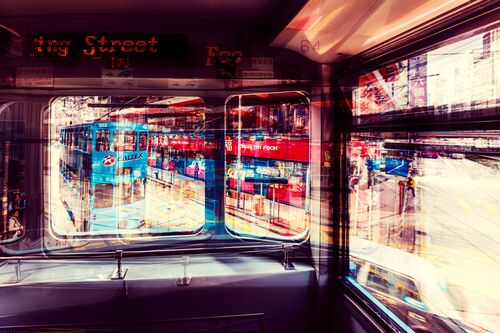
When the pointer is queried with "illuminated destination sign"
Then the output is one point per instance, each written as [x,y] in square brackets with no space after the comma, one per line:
[107,45]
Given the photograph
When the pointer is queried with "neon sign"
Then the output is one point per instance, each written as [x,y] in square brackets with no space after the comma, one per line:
[107,45]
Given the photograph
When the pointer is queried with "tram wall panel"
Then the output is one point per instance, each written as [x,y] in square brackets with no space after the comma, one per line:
[284,300]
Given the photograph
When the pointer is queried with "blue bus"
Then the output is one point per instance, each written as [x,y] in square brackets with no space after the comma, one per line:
[103,169]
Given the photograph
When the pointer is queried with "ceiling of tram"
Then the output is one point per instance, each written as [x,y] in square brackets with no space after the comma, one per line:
[328,31]
[325,31]
[271,13]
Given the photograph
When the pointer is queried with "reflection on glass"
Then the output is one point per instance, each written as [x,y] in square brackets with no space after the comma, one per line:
[12,183]
[124,140]
[103,195]
[447,81]
[267,163]
[425,225]
[102,140]
[111,174]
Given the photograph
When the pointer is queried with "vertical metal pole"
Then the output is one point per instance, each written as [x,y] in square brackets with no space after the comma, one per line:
[18,271]
[5,189]
[238,159]
[356,207]
[370,213]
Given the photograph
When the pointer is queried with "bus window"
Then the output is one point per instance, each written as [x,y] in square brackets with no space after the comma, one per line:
[355,267]
[88,146]
[102,140]
[83,139]
[124,140]
[103,195]
[79,137]
[143,140]
[411,290]
[124,194]
[377,279]
[124,171]
[138,189]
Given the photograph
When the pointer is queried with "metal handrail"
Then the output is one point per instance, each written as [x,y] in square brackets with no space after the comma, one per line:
[148,253]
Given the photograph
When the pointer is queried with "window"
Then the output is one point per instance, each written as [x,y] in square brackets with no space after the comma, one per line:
[377,279]
[124,140]
[124,194]
[124,171]
[139,185]
[424,179]
[103,195]
[143,140]
[267,165]
[14,210]
[102,140]
[121,184]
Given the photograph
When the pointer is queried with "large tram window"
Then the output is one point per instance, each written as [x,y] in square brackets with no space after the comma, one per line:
[144,175]
[13,200]
[267,165]
[458,80]
[103,195]
[424,200]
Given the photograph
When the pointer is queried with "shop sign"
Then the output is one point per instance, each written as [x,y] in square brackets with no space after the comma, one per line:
[268,171]
[284,149]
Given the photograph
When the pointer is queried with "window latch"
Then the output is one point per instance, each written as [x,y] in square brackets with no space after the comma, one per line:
[287,255]
[119,272]
[185,279]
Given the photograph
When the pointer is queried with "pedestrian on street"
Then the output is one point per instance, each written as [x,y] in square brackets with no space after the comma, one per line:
[17,205]
[410,185]
[196,170]
[371,178]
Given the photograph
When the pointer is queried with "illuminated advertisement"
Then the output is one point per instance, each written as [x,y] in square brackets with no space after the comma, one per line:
[279,149]
[418,81]
[456,77]
[382,90]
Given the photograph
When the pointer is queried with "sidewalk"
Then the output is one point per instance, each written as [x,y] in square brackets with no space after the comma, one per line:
[384,214]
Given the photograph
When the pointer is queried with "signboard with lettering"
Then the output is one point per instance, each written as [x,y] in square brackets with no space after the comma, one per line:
[35,76]
[106,45]
[284,149]
[256,68]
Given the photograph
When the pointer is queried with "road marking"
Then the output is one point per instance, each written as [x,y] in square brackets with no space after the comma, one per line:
[468,209]
[491,211]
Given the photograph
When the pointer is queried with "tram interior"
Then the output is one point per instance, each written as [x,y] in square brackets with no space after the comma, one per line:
[264,166]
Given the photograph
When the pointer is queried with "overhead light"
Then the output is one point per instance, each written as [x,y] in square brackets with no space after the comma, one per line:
[407,22]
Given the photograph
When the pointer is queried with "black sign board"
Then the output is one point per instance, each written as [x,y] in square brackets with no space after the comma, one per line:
[109,45]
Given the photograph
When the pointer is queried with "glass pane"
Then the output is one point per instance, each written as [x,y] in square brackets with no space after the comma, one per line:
[124,140]
[139,189]
[143,140]
[103,195]
[131,171]
[457,80]
[267,165]
[102,140]
[424,214]
[13,204]
[124,195]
